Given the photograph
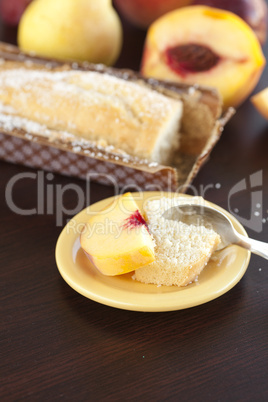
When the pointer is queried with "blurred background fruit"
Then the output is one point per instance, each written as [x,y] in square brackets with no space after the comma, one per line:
[254,12]
[72,29]
[12,10]
[143,12]
[260,101]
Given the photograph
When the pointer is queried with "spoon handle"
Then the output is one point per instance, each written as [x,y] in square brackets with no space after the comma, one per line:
[257,247]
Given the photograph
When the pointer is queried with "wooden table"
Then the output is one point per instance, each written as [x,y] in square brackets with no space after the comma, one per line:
[57,344]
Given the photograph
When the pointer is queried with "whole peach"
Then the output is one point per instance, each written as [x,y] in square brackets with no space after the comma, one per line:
[143,12]
[12,10]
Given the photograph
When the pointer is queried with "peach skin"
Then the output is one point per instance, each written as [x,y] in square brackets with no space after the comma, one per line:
[260,101]
[253,12]
[144,12]
[206,46]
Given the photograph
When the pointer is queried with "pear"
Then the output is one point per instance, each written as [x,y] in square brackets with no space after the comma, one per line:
[80,30]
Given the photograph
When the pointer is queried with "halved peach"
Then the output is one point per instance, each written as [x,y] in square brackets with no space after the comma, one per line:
[207,46]
[260,101]
[117,239]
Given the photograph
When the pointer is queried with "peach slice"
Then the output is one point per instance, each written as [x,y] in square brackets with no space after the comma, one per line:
[206,46]
[117,239]
[260,101]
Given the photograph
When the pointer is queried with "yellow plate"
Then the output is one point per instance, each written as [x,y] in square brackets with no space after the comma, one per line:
[223,271]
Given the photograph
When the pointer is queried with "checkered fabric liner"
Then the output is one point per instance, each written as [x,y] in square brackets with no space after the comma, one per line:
[22,151]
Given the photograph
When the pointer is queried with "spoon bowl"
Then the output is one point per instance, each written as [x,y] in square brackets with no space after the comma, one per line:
[203,215]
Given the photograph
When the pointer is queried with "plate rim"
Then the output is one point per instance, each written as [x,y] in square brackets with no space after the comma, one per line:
[122,304]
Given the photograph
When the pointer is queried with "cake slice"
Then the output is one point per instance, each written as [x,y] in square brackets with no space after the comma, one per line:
[94,106]
[181,251]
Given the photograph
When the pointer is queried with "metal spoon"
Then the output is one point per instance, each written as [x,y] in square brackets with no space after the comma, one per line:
[216,220]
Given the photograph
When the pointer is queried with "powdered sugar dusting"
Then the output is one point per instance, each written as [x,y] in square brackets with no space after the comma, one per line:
[183,241]
[91,105]
[181,250]
[141,100]
[9,122]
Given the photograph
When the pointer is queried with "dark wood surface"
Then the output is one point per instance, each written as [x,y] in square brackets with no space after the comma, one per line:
[56,344]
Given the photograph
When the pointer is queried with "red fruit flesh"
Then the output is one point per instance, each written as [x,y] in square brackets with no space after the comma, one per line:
[191,58]
[134,220]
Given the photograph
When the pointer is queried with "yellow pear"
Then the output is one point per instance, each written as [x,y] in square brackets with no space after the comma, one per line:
[72,30]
